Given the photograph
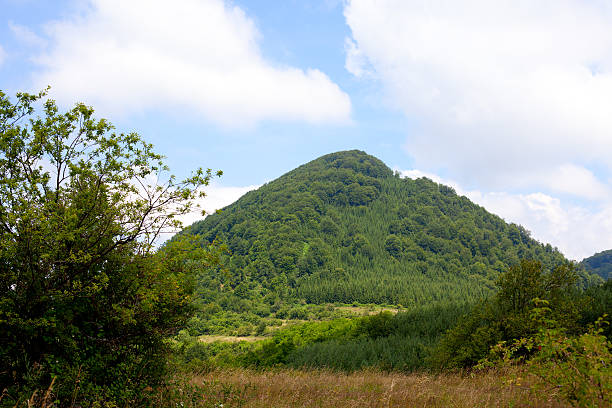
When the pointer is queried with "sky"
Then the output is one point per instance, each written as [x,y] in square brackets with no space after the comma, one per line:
[509,102]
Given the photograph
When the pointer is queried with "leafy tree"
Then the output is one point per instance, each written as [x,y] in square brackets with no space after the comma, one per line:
[81,296]
[507,315]
[394,245]
[599,303]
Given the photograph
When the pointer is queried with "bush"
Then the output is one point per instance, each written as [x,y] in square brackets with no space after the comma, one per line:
[578,367]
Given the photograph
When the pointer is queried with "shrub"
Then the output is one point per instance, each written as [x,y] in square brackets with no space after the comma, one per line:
[578,367]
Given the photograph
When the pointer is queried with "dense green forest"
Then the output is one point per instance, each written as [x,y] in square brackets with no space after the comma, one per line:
[345,228]
[425,337]
[600,264]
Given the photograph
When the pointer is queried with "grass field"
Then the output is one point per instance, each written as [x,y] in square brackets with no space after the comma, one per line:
[229,339]
[318,388]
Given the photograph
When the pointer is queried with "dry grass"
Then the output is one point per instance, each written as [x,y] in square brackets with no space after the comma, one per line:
[300,388]
[366,310]
[229,339]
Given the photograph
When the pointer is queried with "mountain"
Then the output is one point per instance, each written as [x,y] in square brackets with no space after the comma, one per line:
[345,228]
[600,264]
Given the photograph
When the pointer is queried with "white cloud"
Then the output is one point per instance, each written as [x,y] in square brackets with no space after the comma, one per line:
[504,94]
[217,197]
[356,63]
[26,36]
[578,231]
[576,180]
[127,56]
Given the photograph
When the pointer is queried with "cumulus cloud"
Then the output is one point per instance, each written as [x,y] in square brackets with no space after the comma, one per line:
[132,56]
[522,89]
[578,231]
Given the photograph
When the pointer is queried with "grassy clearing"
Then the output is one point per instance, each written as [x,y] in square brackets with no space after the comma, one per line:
[369,388]
[229,339]
[366,310]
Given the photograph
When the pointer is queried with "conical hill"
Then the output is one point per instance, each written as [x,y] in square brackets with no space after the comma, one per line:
[344,228]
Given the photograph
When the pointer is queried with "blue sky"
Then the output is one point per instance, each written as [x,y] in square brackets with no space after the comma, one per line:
[507,101]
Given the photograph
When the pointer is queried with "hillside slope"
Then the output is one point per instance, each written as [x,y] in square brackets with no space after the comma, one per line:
[600,264]
[344,228]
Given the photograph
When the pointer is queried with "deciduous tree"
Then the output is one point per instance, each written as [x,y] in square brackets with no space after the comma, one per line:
[81,207]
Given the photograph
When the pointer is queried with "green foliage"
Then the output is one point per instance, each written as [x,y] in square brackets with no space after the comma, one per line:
[82,298]
[599,303]
[401,342]
[579,367]
[384,340]
[275,351]
[600,264]
[507,315]
[343,229]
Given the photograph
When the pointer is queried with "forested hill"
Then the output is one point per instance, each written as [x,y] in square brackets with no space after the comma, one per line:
[600,264]
[344,228]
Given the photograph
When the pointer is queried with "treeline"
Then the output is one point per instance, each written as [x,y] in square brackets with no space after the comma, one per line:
[508,315]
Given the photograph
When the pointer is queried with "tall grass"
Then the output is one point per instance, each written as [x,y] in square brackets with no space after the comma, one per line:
[366,388]
[284,388]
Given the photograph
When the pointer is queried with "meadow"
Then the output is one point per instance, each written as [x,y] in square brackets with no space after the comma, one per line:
[366,388]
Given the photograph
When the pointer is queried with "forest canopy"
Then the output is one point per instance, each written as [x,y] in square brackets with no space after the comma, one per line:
[344,228]
[600,264]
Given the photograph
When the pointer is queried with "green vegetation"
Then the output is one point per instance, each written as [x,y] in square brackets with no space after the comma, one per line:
[599,303]
[539,319]
[562,351]
[506,316]
[430,336]
[600,264]
[385,340]
[344,228]
[85,305]
[578,366]
[91,313]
